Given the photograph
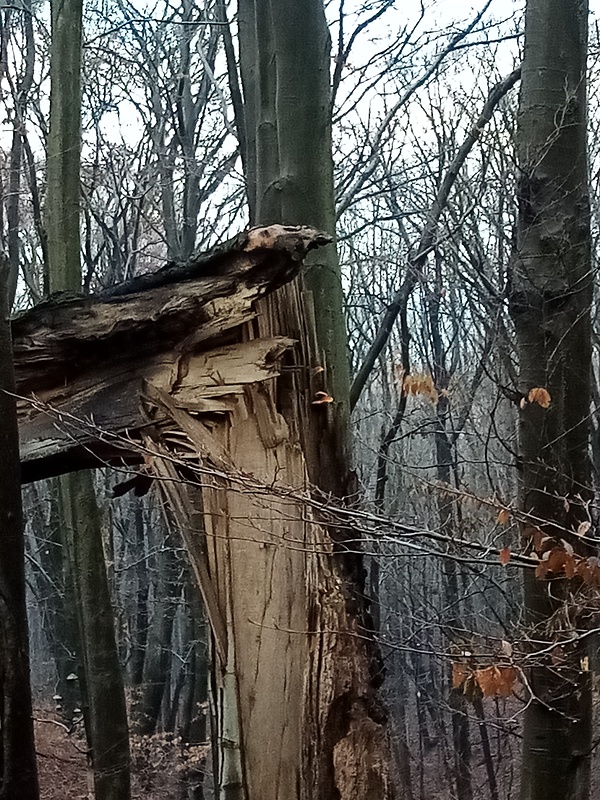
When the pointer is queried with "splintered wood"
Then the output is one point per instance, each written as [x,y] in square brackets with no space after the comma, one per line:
[187,378]
[274,601]
[87,358]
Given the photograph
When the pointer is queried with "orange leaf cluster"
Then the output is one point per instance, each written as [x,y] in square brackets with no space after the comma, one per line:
[496,681]
[419,383]
[562,561]
[493,681]
[540,396]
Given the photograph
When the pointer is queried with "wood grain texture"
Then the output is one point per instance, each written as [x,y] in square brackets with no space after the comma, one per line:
[177,329]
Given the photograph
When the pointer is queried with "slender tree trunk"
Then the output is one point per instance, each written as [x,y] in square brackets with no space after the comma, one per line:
[106,714]
[550,302]
[142,584]
[453,626]
[18,774]
[191,725]
[55,585]
[158,647]
[64,148]
[13,204]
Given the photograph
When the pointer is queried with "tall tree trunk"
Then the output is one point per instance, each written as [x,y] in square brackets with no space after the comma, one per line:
[106,712]
[157,661]
[13,203]
[18,774]
[550,302]
[142,585]
[64,148]
[106,715]
[55,586]
[297,712]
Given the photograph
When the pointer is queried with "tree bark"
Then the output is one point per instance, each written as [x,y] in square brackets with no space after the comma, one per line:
[550,300]
[295,670]
[142,585]
[64,147]
[18,774]
[106,714]
[157,660]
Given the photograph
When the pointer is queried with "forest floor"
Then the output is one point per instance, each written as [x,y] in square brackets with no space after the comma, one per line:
[160,768]
[61,761]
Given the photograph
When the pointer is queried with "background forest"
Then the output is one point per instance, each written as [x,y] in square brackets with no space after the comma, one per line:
[424,112]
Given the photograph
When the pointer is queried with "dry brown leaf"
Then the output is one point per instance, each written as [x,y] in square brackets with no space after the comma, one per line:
[470,687]
[506,682]
[584,571]
[496,680]
[459,674]
[488,680]
[568,547]
[505,555]
[507,649]
[420,384]
[541,569]
[570,566]
[540,396]
[556,559]
[538,537]
[503,516]
[594,564]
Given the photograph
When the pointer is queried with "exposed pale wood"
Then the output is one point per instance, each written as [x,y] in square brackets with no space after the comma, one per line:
[298,712]
[191,528]
[175,329]
[271,566]
[109,398]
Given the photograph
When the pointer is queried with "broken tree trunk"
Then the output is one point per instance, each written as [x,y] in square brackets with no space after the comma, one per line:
[88,357]
[168,374]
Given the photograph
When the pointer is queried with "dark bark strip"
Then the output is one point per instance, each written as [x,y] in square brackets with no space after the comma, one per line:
[550,301]
[18,775]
